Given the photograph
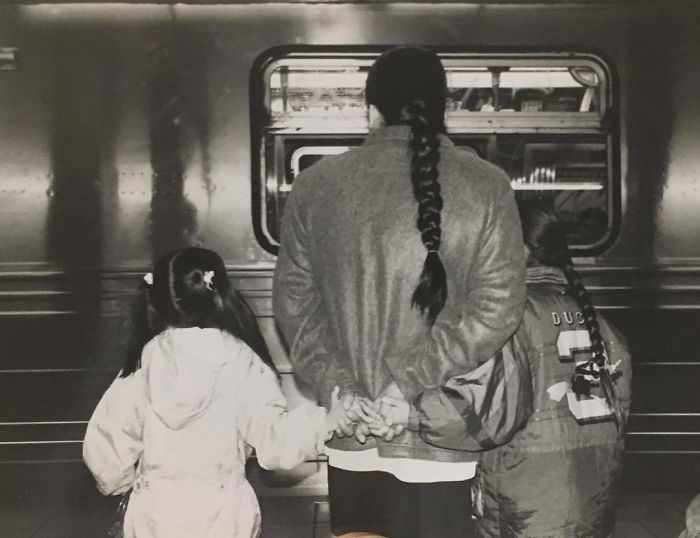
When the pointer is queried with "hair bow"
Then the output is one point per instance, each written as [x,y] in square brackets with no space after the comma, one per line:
[209,280]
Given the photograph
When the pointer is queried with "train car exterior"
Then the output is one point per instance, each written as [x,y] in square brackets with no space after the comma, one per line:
[129,130]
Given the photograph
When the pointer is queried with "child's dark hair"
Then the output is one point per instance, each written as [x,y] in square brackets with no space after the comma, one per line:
[545,237]
[409,87]
[190,288]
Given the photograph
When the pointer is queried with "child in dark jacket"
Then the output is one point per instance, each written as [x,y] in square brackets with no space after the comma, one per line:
[558,476]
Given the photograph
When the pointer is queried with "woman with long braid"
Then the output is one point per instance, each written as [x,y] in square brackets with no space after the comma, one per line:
[559,475]
[401,264]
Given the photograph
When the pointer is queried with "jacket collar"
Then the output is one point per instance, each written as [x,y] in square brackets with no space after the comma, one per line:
[542,274]
[396,133]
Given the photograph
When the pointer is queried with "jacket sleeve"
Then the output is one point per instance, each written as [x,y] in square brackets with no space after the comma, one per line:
[281,438]
[489,315]
[114,438]
[483,408]
[300,313]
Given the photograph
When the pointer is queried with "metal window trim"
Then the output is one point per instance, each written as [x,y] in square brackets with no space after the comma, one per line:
[459,123]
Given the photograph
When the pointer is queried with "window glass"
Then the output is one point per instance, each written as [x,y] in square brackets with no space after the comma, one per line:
[317,91]
[523,89]
[543,118]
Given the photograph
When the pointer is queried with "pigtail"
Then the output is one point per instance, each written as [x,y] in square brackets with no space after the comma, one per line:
[430,295]
[138,329]
[239,320]
[578,291]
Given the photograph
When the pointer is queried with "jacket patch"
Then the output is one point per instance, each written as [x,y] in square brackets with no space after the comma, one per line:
[571,318]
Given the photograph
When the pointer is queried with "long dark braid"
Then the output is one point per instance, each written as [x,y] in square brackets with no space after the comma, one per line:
[578,291]
[431,292]
[408,86]
[546,240]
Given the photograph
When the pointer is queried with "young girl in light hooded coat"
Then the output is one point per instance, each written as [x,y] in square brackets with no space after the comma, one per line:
[197,392]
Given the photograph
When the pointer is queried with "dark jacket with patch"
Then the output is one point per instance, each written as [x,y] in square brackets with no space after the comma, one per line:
[556,477]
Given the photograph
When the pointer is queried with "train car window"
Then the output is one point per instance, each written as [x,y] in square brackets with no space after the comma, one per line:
[544,118]
[542,89]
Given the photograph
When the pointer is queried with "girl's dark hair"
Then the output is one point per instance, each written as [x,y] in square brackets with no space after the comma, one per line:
[191,289]
[409,87]
[545,237]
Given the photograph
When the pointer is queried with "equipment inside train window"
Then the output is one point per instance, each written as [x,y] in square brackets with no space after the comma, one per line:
[544,118]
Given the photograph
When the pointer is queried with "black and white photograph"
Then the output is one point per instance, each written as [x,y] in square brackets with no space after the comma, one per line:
[349,269]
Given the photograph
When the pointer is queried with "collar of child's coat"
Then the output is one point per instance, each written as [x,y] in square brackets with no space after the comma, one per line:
[542,274]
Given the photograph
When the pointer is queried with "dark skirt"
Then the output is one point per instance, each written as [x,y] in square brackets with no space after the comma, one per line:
[378,502]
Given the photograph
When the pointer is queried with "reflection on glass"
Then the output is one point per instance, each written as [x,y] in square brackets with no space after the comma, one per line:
[317,91]
[314,90]
[539,118]
[570,176]
[523,89]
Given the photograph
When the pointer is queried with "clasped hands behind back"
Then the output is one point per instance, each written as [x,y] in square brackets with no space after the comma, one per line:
[385,417]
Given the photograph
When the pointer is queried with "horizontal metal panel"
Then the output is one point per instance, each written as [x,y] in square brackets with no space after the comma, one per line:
[50,396]
[657,336]
[663,443]
[60,342]
[72,396]
[41,432]
[665,389]
[65,452]
[43,415]
[662,471]
[653,423]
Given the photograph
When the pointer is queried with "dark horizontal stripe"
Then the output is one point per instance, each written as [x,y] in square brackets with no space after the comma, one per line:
[71,395]
[262,300]
[283,365]
[43,371]
[660,452]
[21,271]
[284,369]
[31,343]
[599,275]
[68,396]
[51,396]
[682,442]
[661,433]
[36,343]
[71,430]
[55,452]
[37,433]
[37,313]
[666,364]
[664,423]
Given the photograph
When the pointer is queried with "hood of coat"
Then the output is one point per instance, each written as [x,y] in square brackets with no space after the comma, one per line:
[182,367]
